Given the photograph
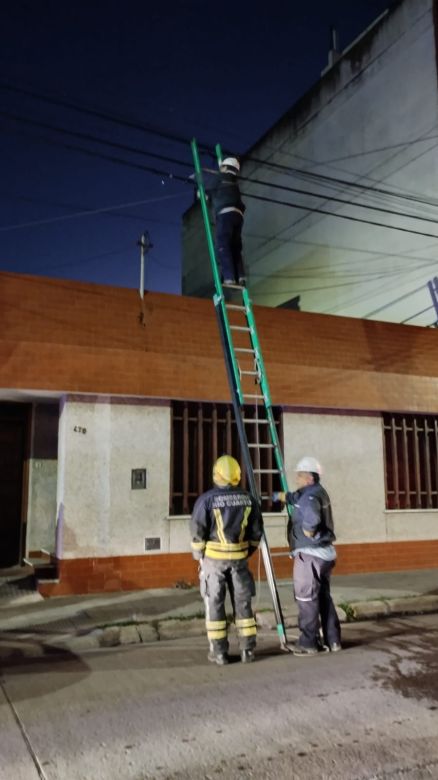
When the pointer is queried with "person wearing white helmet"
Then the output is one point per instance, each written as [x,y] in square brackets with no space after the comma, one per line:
[311,536]
[228,209]
[226,527]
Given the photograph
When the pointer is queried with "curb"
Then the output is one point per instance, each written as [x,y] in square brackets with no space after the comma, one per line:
[410,605]
[147,632]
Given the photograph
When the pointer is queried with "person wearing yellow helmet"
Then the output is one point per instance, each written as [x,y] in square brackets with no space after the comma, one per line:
[226,528]
[311,538]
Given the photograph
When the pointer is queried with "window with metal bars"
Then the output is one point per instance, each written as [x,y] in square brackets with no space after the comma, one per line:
[201,432]
[411,461]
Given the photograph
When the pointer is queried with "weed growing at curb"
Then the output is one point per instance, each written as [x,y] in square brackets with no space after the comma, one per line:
[349,611]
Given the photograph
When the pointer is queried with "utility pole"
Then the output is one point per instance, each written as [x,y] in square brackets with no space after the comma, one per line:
[145,245]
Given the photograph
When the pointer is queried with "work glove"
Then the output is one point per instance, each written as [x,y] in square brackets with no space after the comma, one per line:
[278,497]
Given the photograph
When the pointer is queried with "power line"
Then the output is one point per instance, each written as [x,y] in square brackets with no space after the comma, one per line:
[304,217]
[100,114]
[177,177]
[413,316]
[160,173]
[339,200]
[173,160]
[341,216]
[160,132]
[87,213]
[110,211]
[332,180]
[393,302]
[93,138]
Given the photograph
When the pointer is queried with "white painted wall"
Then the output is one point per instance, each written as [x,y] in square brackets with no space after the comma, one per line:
[98,512]
[371,120]
[350,450]
[99,515]
[43,471]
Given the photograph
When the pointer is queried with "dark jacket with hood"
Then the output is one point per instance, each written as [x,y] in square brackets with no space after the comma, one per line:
[312,512]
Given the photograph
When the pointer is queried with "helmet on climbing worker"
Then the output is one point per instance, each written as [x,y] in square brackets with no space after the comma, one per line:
[309,464]
[230,165]
[226,471]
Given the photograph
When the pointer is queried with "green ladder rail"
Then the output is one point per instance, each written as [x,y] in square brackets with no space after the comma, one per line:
[236,325]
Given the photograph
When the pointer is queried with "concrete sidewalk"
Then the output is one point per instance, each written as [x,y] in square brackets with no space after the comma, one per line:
[80,623]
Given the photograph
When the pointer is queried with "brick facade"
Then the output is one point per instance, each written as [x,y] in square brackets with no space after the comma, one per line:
[96,575]
[72,337]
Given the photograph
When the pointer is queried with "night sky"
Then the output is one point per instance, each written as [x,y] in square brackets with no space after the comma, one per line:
[221,72]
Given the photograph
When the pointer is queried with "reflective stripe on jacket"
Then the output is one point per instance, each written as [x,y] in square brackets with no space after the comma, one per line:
[226,524]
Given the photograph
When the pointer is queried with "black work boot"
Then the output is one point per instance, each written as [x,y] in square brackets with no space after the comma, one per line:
[221,659]
[247,656]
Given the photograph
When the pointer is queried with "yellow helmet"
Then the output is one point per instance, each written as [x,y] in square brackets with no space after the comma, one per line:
[226,471]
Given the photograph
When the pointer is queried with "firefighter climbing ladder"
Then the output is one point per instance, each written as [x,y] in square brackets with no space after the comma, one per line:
[244,362]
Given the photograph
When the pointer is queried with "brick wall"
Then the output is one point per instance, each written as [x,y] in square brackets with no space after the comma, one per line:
[73,337]
[96,575]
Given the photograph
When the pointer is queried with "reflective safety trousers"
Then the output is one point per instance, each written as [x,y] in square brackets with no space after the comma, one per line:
[215,578]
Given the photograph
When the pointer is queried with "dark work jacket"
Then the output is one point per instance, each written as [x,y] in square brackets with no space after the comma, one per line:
[226,524]
[311,512]
[225,193]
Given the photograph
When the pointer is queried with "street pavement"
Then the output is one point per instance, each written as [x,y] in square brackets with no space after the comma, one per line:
[118,687]
[160,711]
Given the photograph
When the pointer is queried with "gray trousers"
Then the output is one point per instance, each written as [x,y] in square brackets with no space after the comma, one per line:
[215,577]
[315,605]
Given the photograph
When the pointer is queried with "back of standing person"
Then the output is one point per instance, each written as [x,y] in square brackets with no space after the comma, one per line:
[228,209]
[226,527]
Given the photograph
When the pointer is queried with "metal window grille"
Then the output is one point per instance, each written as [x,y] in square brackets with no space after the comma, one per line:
[201,432]
[411,461]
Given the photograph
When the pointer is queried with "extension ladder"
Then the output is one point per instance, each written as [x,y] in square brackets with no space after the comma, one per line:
[249,386]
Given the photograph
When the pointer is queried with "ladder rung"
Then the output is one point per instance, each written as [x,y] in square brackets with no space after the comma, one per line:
[266,471]
[240,327]
[244,349]
[250,373]
[257,422]
[235,306]
[261,446]
[253,395]
[237,286]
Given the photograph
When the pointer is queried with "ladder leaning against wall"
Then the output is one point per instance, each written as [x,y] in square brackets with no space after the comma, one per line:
[249,386]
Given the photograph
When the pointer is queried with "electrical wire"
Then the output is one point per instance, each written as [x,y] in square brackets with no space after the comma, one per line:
[87,213]
[176,161]
[110,211]
[413,316]
[338,200]
[94,139]
[332,180]
[320,177]
[99,114]
[173,160]
[177,177]
[340,216]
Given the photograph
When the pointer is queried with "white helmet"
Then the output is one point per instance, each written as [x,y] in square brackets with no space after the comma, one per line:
[310,464]
[230,162]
